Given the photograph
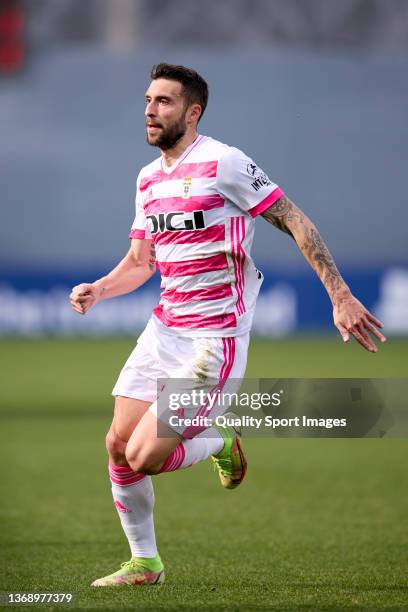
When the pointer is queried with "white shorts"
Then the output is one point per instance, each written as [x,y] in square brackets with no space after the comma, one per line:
[158,355]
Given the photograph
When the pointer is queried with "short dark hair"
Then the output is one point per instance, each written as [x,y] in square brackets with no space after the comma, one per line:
[195,88]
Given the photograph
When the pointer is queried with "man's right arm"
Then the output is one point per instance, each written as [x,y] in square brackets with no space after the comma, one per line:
[138,265]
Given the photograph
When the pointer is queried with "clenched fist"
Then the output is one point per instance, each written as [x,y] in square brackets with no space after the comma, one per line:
[84,296]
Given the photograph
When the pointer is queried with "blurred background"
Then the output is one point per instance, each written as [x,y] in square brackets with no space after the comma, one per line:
[315,91]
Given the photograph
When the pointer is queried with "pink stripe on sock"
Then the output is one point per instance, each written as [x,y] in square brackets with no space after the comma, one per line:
[167,464]
[174,460]
[120,468]
[136,478]
[123,475]
[175,455]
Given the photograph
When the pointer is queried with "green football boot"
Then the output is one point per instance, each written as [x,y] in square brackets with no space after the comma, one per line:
[230,461]
[137,571]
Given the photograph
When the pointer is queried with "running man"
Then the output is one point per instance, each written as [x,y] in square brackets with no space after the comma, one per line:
[195,210]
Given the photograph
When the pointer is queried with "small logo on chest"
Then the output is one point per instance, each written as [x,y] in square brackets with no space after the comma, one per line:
[187,187]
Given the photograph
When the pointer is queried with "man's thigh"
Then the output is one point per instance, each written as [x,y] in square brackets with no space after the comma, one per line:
[128,413]
[148,448]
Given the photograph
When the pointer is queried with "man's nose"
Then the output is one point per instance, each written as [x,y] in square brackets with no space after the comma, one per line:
[150,110]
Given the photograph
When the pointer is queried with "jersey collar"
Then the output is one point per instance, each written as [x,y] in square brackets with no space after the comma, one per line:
[169,169]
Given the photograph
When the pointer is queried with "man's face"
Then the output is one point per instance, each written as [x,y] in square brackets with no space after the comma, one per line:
[165,113]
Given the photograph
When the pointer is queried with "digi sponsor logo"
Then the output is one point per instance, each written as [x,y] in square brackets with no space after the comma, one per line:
[261,179]
[176,221]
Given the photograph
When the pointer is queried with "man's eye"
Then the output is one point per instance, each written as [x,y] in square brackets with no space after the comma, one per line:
[164,101]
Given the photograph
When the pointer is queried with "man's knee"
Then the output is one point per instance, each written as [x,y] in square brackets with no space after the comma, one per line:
[143,461]
[115,446]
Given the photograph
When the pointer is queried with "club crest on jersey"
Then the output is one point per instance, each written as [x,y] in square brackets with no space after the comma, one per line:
[176,221]
[187,187]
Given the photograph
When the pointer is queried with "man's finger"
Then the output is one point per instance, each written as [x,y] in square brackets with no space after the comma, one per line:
[363,338]
[343,332]
[77,305]
[373,319]
[83,299]
[78,309]
[81,289]
[75,296]
[83,293]
[373,330]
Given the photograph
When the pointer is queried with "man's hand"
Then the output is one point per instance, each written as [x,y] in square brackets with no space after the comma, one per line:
[84,296]
[351,317]
[138,265]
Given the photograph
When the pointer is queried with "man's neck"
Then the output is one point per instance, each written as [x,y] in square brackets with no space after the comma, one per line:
[170,156]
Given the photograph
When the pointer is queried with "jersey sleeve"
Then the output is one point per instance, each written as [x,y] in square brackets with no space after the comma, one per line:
[139,227]
[240,180]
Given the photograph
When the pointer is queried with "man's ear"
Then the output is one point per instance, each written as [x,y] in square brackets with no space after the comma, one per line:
[194,113]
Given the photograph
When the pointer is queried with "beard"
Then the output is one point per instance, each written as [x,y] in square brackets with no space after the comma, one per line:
[168,137]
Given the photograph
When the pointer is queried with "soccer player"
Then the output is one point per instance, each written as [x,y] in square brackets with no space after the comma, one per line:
[195,211]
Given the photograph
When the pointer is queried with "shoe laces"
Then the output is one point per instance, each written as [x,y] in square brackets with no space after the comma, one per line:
[131,564]
[222,464]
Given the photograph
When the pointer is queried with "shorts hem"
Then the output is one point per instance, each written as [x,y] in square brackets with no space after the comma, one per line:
[144,397]
[174,428]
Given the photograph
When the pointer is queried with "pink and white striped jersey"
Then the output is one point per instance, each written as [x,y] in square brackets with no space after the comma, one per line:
[200,214]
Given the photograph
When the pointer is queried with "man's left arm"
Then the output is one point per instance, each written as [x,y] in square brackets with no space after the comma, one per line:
[350,316]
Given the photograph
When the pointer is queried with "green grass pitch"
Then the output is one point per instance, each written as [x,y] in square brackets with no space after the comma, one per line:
[317,525]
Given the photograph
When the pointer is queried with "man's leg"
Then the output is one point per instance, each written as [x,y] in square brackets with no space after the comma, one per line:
[134,499]
[132,486]
[132,460]
[148,453]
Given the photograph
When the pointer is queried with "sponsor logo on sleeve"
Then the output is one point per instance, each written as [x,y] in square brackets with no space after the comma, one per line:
[260,178]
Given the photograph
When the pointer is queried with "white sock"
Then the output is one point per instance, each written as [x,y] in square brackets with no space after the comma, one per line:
[189,452]
[133,496]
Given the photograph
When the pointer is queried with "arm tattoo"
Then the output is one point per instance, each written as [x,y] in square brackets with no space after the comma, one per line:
[287,217]
[280,213]
[152,257]
[317,253]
